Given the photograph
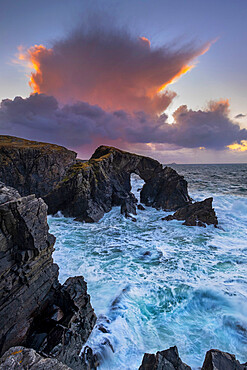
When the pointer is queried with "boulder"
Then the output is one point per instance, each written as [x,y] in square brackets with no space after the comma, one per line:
[196,214]
[218,360]
[163,360]
[140,207]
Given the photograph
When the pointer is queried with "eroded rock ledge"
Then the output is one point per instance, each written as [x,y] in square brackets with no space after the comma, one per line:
[35,310]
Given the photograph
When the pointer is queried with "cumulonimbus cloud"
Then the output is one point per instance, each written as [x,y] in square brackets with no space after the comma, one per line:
[110,68]
[40,117]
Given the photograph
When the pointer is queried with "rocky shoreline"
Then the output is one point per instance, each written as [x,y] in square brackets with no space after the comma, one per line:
[43,324]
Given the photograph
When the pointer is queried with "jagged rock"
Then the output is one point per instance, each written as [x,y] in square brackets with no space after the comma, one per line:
[165,190]
[218,360]
[196,214]
[129,206]
[92,188]
[163,360]
[25,252]
[32,167]
[77,329]
[140,207]
[35,310]
[21,358]
[7,194]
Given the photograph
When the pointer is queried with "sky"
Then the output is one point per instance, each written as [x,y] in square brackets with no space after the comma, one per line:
[160,78]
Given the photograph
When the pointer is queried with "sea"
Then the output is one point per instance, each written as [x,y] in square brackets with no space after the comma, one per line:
[156,284]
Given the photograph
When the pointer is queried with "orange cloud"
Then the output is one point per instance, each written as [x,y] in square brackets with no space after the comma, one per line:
[242,147]
[145,41]
[110,69]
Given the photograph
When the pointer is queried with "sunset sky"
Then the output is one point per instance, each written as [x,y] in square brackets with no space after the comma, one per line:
[162,78]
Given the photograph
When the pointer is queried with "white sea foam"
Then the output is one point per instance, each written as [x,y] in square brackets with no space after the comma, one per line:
[155,284]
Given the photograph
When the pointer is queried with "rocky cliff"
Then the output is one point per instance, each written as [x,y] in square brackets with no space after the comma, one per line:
[35,310]
[87,190]
[92,188]
[32,167]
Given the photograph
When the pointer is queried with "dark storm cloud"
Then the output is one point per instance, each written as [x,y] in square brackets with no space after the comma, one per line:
[40,117]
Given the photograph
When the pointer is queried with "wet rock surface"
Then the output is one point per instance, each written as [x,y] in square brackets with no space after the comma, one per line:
[33,167]
[163,360]
[170,360]
[196,214]
[35,310]
[218,360]
[140,207]
[21,358]
[92,188]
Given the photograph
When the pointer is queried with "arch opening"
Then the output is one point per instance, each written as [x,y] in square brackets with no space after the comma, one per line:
[136,183]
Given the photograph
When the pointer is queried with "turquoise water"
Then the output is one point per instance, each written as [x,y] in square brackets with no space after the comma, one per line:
[155,284]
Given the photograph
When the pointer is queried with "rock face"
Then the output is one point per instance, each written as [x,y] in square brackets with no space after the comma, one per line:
[196,214]
[164,360]
[218,360]
[21,358]
[35,310]
[92,188]
[32,167]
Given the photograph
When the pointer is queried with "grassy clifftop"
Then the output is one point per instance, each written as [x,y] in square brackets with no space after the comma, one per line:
[19,143]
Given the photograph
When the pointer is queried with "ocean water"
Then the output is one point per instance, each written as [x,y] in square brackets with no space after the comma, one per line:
[156,284]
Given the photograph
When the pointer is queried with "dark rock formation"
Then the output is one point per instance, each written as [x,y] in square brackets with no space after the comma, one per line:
[32,167]
[196,214]
[92,188]
[67,333]
[170,360]
[164,360]
[165,190]
[140,207]
[25,252]
[218,360]
[21,358]
[35,310]
[87,190]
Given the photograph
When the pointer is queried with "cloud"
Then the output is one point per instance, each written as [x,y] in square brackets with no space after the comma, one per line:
[40,117]
[240,115]
[110,68]
[210,129]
